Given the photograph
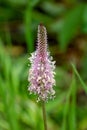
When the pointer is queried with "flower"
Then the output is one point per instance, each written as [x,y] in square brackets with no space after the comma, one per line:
[41,72]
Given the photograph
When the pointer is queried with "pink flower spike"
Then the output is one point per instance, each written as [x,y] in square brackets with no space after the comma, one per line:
[41,72]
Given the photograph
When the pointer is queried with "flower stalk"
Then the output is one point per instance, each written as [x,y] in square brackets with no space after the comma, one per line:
[44,115]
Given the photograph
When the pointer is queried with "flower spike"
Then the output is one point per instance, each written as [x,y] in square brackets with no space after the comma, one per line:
[41,72]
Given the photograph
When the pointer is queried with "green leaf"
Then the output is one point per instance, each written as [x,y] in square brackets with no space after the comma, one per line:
[28,16]
[17,2]
[7,91]
[52,8]
[28,29]
[67,115]
[84,28]
[80,79]
[72,114]
[56,26]
[34,2]
[71,23]
[66,109]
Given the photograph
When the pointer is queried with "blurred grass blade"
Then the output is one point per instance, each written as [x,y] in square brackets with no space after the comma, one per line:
[80,79]
[28,28]
[56,26]
[33,3]
[84,27]
[72,113]
[69,116]
[66,110]
[71,23]
[28,24]
[9,108]
[7,90]
[52,8]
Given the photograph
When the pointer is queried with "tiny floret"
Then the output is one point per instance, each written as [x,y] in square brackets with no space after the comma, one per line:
[41,73]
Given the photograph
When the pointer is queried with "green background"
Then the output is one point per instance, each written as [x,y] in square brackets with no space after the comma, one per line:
[66,23]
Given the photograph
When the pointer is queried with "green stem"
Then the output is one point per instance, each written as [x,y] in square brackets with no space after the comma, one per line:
[44,115]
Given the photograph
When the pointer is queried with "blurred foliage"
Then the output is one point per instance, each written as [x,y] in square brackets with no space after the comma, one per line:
[66,22]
